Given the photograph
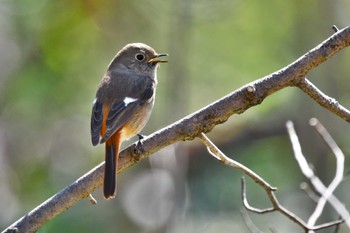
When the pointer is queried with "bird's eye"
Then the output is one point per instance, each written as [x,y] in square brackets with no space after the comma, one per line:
[139,57]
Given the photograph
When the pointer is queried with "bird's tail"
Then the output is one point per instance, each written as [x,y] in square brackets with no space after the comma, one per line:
[111,163]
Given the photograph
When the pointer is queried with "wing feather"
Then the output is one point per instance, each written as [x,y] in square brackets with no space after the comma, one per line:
[96,122]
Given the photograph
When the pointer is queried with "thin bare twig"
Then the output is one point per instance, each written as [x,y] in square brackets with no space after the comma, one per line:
[246,203]
[216,153]
[322,99]
[92,199]
[315,181]
[335,28]
[340,158]
[275,203]
[278,207]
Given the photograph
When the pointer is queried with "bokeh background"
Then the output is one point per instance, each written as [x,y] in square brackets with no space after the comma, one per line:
[53,54]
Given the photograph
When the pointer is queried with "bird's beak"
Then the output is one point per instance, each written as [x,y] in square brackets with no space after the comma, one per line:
[155,58]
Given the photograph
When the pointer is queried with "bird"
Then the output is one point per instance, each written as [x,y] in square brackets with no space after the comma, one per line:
[123,104]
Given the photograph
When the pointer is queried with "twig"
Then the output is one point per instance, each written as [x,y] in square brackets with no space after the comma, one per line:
[278,207]
[246,203]
[216,153]
[338,174]
[92,199]
[337,227]
[315,181]
[335,28]
[322,99]
[189,128]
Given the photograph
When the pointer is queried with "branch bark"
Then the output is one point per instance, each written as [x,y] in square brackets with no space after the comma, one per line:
[188,128]
[322,99]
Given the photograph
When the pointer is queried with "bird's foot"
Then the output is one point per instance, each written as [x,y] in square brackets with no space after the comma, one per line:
[139,148]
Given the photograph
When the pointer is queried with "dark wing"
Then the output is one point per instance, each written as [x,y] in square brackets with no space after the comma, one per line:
[147,94]
[96,122]
[117,116]
[121,111]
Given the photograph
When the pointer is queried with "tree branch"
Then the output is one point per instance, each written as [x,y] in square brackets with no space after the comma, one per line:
[327,193]
[276,206]
[188,128]
[322,99]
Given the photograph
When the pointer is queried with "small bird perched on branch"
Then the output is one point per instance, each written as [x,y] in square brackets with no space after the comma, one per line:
[123,103]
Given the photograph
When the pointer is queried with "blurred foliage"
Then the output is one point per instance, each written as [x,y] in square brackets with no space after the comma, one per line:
[53,54]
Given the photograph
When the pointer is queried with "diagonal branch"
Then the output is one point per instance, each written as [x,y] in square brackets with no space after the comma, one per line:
[322,99]
[216,153]
[188,128]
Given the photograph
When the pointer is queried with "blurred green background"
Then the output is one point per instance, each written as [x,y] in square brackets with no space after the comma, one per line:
[53,54]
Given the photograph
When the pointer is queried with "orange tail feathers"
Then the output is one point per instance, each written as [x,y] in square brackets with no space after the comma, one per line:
[111,163]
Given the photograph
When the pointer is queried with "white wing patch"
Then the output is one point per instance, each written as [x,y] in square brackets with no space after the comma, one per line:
[128,100]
